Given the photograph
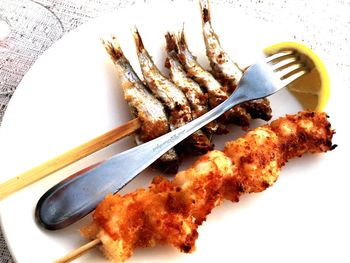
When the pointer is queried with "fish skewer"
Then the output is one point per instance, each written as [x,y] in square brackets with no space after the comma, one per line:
[196,97]
[144,106]
[170,212]
[256,109]
[174,99]
[225,70]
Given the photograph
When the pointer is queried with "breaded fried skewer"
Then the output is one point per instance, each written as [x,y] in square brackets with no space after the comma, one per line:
[169,212]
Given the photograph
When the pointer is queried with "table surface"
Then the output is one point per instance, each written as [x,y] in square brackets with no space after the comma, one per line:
[36,25]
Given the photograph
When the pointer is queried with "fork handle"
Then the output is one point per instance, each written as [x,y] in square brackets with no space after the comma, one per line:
[77,196]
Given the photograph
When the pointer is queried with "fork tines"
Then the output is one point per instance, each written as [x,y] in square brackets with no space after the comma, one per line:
[288,65]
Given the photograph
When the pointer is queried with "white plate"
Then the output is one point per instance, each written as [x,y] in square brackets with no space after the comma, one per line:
[71,95]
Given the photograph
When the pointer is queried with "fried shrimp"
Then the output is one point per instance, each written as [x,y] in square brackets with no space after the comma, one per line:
[169,212]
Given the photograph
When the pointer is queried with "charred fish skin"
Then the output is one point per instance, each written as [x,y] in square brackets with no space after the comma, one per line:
[174,99]
[217,92]
[259,109]
[143,105]
[225,70]
[197,99]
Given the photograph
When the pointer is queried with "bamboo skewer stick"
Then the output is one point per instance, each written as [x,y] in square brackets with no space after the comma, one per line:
[78,252]
[69,157]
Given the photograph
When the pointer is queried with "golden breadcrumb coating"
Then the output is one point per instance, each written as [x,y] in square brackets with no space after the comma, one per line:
[169,212]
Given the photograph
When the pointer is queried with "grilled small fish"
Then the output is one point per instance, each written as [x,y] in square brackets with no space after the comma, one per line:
[197,99]
[226,71]
[217,92]
[143,105]
[175,100]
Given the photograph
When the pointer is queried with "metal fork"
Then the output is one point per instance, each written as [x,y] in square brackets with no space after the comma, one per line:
[77,196]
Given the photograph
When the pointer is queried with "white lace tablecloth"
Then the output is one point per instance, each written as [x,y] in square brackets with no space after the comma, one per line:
[35,25]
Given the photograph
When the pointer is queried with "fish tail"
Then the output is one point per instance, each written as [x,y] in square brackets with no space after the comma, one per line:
[205,13]
[113,48]
[182,43]
[138,40]
[171,43]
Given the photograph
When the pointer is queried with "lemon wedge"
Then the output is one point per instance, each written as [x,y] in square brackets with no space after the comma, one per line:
[313,89]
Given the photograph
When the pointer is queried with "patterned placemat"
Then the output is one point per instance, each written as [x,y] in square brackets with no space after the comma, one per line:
[35,25]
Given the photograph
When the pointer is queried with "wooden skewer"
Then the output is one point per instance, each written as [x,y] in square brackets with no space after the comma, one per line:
[61,161]
[78,252]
